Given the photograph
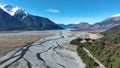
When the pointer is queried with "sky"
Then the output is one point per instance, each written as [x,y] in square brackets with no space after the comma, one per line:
[69,11]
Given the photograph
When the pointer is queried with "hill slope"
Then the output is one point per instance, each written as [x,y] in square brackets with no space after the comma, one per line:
[105,49]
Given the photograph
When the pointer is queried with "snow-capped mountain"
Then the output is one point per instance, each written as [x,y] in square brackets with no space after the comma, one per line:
[26,20]
[12,10]
[8,22]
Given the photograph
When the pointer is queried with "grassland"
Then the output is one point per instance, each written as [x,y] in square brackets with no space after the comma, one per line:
[8,43]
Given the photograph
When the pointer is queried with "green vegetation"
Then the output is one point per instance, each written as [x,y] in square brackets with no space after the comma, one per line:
[112,36]
[106,49]
[108,55]
[76,41]
[86,59]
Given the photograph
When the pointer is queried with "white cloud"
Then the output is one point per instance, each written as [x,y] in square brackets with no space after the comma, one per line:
[53,10]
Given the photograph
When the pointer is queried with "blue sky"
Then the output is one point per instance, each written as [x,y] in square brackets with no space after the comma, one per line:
[69,11]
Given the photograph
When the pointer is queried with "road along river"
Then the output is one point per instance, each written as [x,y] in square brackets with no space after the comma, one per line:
[49,52]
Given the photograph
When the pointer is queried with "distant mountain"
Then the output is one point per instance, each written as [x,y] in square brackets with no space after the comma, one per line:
[108,22]
[82,26]
[66,26]
[29,21]
[104,25]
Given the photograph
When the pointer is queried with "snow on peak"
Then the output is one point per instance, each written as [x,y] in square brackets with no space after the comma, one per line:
[12,10]
[117,15]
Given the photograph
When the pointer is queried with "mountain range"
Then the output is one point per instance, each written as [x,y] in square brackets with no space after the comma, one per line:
[15,18]
[104,25]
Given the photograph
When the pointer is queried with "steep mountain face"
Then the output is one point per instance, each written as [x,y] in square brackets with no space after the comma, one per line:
[8,22]
[37,22]
[31,22]
[82,26]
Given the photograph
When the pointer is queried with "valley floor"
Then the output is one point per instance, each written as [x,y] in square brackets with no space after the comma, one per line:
[48,52]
